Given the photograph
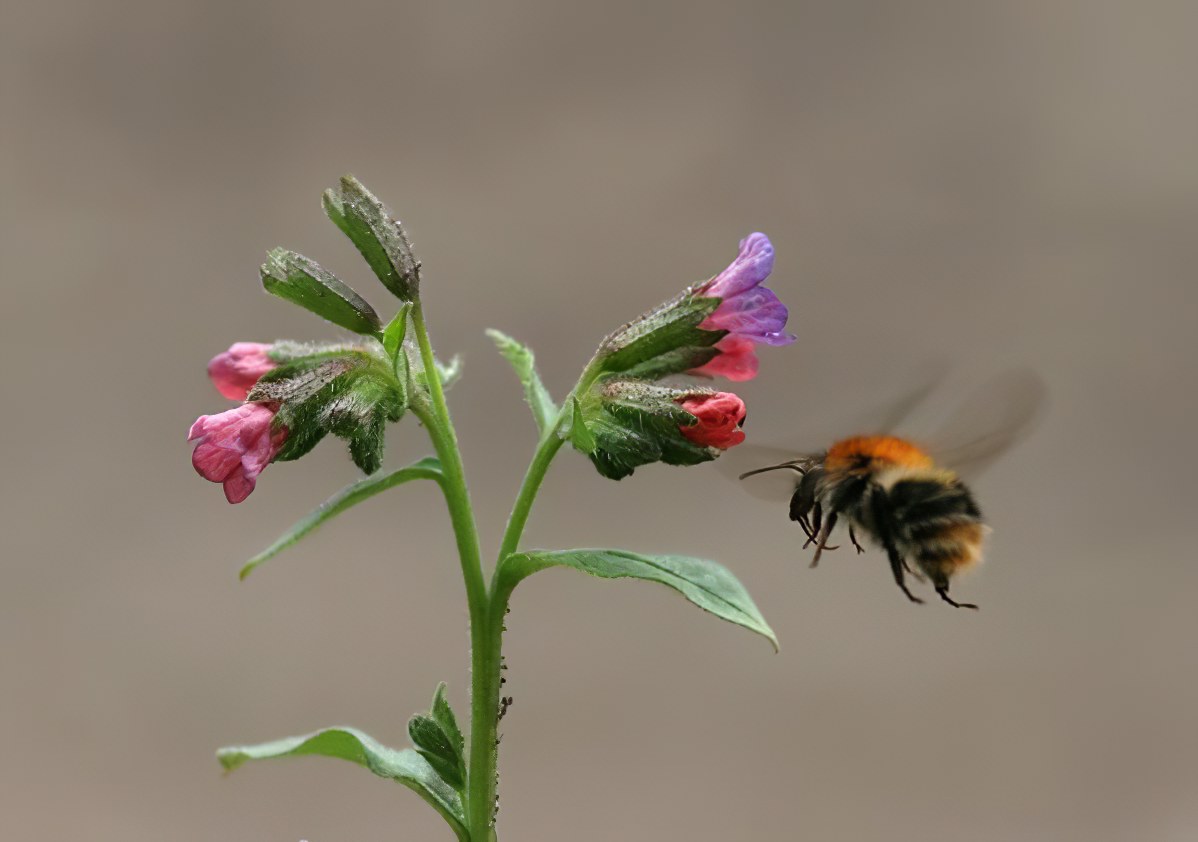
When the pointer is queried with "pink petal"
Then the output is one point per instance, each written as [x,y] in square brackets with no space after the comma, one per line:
[737,360]
[235,371]
[238,486]
[234,447]
[198,428]
[213,462]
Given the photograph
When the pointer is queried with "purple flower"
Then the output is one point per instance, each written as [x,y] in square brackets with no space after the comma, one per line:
[751,313]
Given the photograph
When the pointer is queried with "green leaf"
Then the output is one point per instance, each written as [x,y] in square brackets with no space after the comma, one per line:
[576,428]
[304,282]
[439,740]
[435,746]
[396,330]
[449,372]
[705,583]
[674,362]
[351,495]
[443,713]
[666,340]
[380,237]
[351,393]
[636,423]
[544,410]
[405,766]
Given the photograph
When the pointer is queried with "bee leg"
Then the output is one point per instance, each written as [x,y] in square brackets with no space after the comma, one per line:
[806,525]
[853,538]
[883,531]
[817,516]
[823,538]
[817,533]
[896,567]
[944,595]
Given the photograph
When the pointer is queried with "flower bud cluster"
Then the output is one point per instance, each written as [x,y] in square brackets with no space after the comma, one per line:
[634,422]
[710,329]
[624,413]
[296,394]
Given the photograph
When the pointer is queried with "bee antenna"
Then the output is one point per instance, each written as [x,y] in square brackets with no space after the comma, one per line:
[791,465]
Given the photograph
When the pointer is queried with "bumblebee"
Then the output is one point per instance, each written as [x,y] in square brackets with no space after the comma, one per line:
[894,493]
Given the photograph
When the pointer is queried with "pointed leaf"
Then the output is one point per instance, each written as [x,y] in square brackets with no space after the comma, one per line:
[405,766]
[449,372]
[673,362]
[437,748]
[396,330]
[705,583]
[380,237]
[351,495]
[576,428]
[305,282]
[544,410]
[443,713]
[650,344]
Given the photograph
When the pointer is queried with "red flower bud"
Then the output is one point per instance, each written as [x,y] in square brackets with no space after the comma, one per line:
[720,418]
[235,371]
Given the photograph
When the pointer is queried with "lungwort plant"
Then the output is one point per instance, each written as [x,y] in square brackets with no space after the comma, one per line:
[641,399]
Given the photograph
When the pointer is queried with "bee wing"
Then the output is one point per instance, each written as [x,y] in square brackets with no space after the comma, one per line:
[993,419]
[884,418]
[771,472]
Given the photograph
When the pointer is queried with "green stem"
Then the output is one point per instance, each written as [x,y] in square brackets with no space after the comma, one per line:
[483,780]
[550,444]
[487,659]
[548,447]
[488,606]
[445,442]
[484,639]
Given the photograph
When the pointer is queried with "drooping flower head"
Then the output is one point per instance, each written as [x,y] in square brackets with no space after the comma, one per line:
[751,313]
[235,371]
[709,329]
[720,415]
[234,447]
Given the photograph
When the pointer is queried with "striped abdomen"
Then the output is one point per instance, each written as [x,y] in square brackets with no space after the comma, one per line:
[934,521]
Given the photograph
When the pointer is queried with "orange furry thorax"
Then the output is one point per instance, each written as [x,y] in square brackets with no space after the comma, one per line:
[875,452]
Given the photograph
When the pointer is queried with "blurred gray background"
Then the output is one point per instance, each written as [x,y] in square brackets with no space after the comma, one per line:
[1005,183]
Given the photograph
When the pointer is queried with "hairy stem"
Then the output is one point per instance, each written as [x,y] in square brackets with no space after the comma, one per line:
[550,444]
[488,670]
[488,606]
[548,447]
[487,660]
[484,643]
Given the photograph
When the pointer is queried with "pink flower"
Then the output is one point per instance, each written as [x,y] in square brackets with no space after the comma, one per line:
[750,312]
[234,446]
[235,371]
[720,418]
